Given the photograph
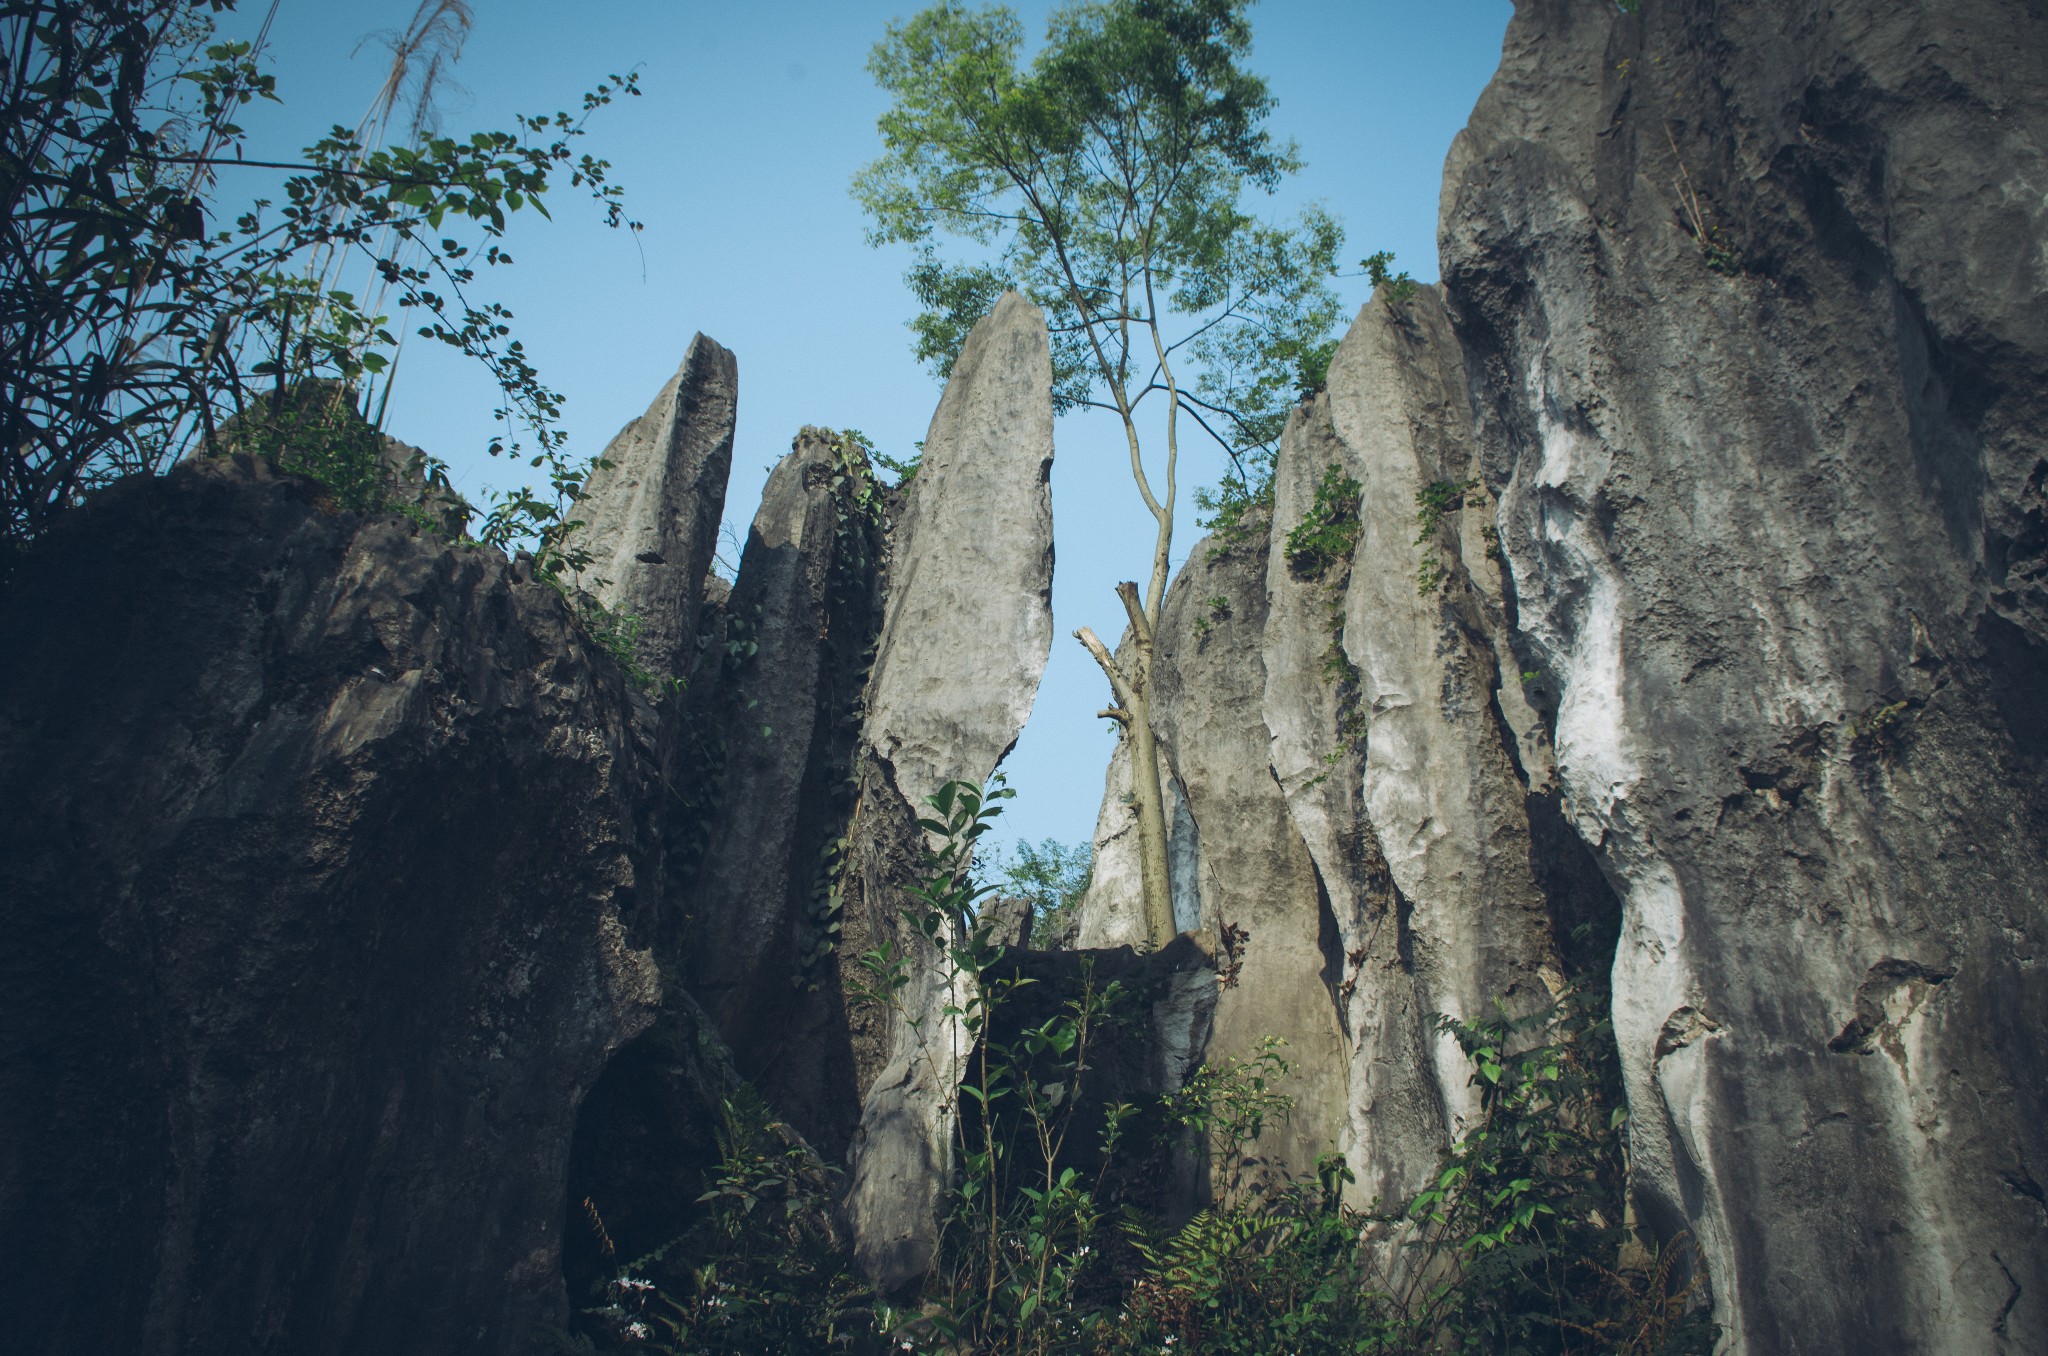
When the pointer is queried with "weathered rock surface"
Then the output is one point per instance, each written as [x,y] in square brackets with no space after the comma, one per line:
[1753,302]
[775,710]
[413,480]
[1443,794]
[1259,902]
[968,623]
[650,515]
[1315,706]
[1394,1126]
[327,857]
[965,634]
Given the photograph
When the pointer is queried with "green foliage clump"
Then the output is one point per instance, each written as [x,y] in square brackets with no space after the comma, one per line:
[1527,1215]
[1432,503]
[1436,499]
[1279,1270]
[905,469]
[1328,532]
[1520,1246]
[1237,509]
[137,330]
[1053,876]
[1392,288]
[1320,548]
[762,1271]
[1230,1104]
[617,633]
[1216,608]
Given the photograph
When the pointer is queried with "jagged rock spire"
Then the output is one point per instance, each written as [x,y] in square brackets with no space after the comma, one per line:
[650,514]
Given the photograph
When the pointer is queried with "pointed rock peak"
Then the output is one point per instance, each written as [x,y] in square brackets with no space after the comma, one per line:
[969,620]
[650,513]
[966,631]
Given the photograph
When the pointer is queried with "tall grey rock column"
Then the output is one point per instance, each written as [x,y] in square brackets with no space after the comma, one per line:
[1441,784]
[1753,303]
[650,516]
[965,635]
[1394,1124]
[1443,791]
[1358,770]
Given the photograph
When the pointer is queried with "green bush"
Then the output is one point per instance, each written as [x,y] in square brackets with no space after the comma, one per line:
[1053,876]
[1328,533]
[762,1272]
[1518,1248]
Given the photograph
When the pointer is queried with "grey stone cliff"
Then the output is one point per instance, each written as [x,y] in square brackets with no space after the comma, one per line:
[1260,909]
[1752,299]
[355,902]
[326,876]
[1394,1125]
[650,515]
[965,634]
[968,624]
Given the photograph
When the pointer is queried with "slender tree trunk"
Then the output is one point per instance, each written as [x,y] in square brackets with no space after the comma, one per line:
[1133,688]
[1151,807]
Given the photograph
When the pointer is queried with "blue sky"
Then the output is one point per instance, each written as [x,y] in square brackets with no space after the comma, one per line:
[738,157]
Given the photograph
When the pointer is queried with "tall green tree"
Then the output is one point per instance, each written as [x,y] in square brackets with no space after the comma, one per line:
[135,326]
[1106,181]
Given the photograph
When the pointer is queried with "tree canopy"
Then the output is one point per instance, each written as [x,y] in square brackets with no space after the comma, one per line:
[136,329]
[1106,180]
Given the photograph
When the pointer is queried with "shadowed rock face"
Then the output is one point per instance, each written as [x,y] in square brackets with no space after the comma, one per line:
[651,513]
[1752,300]
[965,634]
[326,863]
[776,708]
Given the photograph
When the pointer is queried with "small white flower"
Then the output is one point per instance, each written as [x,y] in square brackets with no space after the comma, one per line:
[636,1331]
